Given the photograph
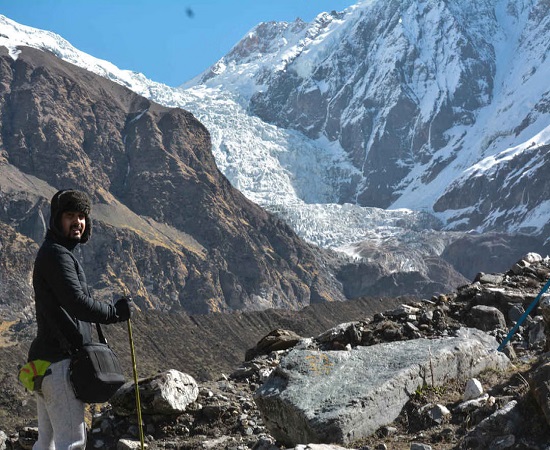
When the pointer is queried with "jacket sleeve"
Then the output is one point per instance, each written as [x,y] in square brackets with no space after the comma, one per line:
[61,274]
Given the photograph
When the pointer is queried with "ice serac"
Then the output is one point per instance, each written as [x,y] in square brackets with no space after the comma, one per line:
[437,105]
[434,111]
[343,396]
[417,105]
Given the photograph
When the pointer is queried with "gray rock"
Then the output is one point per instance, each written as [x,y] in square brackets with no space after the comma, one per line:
[476,403]
[27,437]
[403,311]
[339,397]
[503,442]
[214,443]
[486,318]
[489,278]
[544,307]
[344,332]
[501,296]
[537,335]
[128,444]
[532,258]
[166,393]
[540,387]
[473,389]
[437,413]
[278,339]
[515,312]
[3,440]
[490,430]
[319,447]
[418,446]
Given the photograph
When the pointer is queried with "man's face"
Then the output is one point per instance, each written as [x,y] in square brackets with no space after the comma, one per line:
[73,224]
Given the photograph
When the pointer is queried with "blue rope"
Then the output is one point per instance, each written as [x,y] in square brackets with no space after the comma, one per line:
[523,317]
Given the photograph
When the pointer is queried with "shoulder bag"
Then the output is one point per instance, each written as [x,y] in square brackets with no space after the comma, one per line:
[95,371]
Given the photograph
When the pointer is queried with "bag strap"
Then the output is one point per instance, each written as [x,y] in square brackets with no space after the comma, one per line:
[72,349]
[100,335]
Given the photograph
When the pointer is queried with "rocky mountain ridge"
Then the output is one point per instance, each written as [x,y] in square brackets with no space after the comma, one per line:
[299,179]
[427,99]
[500,408]
[62,125]
[169,228]
[433,53]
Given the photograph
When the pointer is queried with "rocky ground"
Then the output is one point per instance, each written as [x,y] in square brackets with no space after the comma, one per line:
[225,416]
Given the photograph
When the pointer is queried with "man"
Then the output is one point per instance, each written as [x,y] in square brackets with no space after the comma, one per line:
[64,310]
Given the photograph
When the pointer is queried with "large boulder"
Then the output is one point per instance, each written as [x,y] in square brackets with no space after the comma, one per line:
[168,393]
[540,386]
[496,431]
[342,396]
[277,339]
[486,318]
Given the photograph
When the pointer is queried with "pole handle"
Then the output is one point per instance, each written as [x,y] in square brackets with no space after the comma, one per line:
[136,385]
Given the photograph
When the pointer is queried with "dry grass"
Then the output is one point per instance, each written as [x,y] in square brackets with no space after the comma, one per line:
[159,234]
[5,334]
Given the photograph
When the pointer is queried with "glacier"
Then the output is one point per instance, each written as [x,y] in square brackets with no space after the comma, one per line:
[281,170]
[302,178]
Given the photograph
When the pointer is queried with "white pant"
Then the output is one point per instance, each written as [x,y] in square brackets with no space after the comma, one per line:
[61,423]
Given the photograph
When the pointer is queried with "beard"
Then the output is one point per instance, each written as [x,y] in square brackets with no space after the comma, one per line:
[75,233]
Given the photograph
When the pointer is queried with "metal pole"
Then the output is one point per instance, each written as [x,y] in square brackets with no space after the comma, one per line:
[523,317]
[138,402]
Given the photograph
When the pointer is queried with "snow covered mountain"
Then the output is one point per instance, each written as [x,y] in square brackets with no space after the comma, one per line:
[440,106]
[386,119]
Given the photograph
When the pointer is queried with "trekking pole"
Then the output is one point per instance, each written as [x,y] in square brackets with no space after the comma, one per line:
[138,402]
[523,317]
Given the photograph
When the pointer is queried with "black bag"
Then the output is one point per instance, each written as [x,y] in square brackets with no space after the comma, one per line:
[95,371]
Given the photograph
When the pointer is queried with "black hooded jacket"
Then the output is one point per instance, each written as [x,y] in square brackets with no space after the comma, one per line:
[64,306]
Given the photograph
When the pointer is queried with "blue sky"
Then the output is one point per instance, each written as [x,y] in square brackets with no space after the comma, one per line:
[170,41]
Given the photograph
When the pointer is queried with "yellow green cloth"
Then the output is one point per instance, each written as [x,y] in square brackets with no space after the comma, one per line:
[29,372]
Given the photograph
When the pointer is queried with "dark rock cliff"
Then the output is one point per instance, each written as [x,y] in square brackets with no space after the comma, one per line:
[169,228]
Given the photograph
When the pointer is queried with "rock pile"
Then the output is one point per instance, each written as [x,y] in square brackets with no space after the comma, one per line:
[345,396]
[505,407]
